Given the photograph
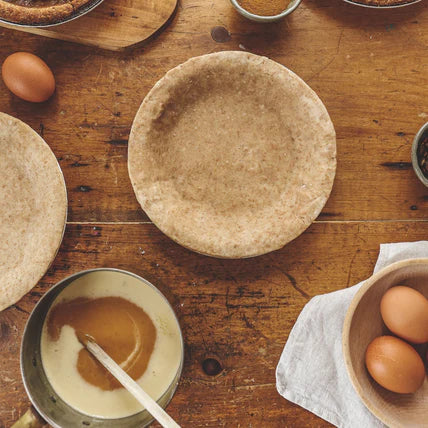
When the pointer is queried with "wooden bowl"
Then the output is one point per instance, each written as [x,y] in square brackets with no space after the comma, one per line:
[363,323]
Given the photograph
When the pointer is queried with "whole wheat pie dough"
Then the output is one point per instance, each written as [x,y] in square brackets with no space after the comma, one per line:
[232,155]
[33,209]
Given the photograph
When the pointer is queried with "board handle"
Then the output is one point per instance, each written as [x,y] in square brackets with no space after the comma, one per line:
[30,419]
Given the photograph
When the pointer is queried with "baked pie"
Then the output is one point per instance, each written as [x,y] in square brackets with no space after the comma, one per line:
[383,3]
[39,11]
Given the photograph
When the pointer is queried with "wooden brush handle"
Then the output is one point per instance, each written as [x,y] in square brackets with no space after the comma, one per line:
[30,419]
[150,405]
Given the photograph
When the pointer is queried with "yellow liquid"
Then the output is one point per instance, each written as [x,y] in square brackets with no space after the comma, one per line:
[98,303]
[120,327]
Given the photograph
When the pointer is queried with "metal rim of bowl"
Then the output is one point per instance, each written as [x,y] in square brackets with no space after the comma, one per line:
[77,14]
[369,6]
[347,323]
[260,18]
[170,390]
[416,141]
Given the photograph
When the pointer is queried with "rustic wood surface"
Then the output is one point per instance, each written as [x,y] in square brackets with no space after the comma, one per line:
[370,69]
[114,25]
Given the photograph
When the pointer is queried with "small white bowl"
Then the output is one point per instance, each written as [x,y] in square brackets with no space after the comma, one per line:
[292,6]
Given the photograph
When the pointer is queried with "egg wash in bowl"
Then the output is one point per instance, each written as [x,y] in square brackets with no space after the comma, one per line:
[131,321]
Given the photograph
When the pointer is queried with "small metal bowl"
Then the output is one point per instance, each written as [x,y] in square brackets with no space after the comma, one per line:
[260,18]
[422,133]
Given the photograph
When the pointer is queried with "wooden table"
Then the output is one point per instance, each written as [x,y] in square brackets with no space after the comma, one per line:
[370,69]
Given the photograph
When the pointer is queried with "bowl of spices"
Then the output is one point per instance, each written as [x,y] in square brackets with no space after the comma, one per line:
[420,154]
[265,11]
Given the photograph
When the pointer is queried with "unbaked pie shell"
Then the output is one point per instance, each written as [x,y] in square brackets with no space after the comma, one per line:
[232,155]
[33,209]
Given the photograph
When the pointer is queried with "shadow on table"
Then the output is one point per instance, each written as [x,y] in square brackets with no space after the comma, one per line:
[244,275]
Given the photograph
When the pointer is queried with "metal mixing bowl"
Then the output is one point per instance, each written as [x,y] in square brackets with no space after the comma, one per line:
[43,397]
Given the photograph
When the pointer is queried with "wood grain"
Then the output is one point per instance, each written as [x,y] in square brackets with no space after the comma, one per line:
[368,67]
[238,311]
[113,25]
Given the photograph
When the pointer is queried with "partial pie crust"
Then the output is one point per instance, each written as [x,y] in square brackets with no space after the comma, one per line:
[39,11]
[33,209]
[232,155]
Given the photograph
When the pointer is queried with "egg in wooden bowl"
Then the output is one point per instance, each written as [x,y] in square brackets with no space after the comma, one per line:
[365,347]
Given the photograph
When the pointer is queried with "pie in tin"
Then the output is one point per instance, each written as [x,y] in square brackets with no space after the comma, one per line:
[39,11]
[382,3]
[232,155]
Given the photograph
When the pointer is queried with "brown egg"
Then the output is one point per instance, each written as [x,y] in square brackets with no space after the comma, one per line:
[395,365]
[405,312]
[28,77]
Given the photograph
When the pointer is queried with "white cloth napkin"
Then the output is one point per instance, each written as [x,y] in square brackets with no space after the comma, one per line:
[311,371]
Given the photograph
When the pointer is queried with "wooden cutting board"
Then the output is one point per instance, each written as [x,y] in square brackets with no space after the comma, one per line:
[113,25]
